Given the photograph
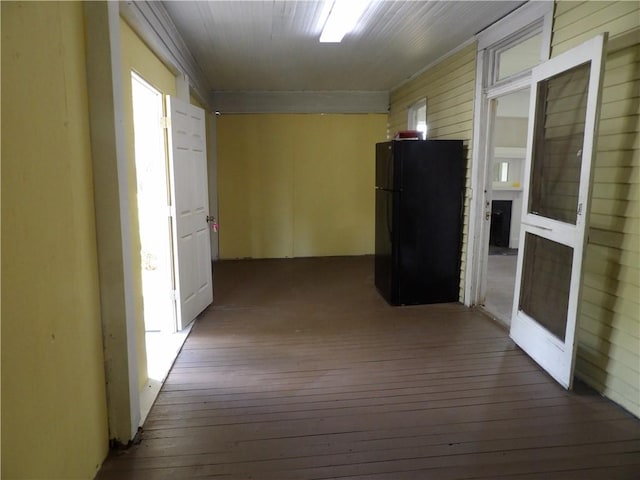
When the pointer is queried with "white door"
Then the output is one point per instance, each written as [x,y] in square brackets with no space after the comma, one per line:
[565,98]
[189,210]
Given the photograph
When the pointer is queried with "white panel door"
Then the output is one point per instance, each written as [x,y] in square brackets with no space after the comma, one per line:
[565,99]
[189,209]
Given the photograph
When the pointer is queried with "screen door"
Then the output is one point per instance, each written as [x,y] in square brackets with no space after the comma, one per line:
[565,98]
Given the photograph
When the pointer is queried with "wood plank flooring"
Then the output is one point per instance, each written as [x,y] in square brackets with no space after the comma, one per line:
[300,370]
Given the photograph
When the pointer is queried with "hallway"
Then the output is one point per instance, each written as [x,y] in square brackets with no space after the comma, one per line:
[300,370]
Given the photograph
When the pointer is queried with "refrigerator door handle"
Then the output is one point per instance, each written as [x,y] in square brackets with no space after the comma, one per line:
[389,216]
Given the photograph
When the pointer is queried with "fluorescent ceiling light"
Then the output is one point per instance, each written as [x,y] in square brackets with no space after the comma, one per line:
[342,19]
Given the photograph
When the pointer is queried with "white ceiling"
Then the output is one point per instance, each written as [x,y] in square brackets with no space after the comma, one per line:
[273,45]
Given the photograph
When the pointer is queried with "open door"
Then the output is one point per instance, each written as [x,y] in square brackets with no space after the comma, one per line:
[189,210]
[565,99]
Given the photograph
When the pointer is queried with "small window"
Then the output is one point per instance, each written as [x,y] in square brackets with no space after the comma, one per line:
[519,57]
[417,119]
[516,55]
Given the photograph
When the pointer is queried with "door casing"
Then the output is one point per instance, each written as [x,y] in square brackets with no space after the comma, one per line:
[520,20]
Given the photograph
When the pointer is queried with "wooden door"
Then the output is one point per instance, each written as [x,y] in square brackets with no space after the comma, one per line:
[189,210]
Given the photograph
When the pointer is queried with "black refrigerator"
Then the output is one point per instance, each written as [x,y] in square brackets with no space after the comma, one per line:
[418,236]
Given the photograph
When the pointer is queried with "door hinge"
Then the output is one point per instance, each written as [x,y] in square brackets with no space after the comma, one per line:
[165,122]
[172,295]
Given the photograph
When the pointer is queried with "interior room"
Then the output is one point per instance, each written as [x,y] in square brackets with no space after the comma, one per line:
[508,158]
[229,284]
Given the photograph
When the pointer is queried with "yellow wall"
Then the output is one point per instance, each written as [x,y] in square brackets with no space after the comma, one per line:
[194,101]
[576,22]
[297,185]
[609,324]
[137,57]
[449,88]
[54,417]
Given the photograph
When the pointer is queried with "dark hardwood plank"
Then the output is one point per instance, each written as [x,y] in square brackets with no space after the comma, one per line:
[301,371]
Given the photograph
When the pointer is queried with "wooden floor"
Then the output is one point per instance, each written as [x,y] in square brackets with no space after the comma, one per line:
[301,371]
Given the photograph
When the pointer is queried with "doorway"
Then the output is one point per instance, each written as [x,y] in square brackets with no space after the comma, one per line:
[152,201]
[508,124]
[162,342]
[507,52]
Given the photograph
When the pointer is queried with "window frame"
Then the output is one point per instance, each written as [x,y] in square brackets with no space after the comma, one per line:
[413,113]
[492,55]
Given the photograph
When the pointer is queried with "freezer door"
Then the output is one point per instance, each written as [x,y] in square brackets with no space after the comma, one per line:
[430,214]
[384,166]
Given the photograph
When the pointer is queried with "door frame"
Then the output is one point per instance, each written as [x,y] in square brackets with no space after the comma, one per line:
[112,201]
[531,16]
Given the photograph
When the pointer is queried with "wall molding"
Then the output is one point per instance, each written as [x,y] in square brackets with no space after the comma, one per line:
[301,102]
[152,22]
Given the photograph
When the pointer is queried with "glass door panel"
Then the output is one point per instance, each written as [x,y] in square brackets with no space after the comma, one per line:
[544,293]
[557,145]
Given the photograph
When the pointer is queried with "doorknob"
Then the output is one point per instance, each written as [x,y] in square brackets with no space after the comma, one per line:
[212,220]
